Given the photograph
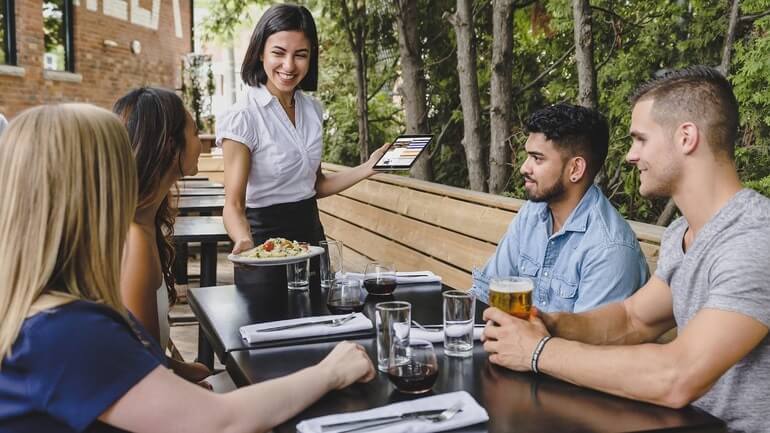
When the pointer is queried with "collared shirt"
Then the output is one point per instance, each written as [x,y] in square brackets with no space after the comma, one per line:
[284,157]
[594,259]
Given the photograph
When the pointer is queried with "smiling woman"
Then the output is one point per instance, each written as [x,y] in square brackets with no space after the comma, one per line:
[273,141]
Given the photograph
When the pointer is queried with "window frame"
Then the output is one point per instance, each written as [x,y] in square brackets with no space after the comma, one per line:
[9,41]
[68,15]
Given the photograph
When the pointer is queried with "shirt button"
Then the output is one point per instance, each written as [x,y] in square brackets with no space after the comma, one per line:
[546,274]
[542,302]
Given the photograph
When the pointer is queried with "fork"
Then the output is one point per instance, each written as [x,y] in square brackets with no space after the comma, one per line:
[443,416]
[328,322]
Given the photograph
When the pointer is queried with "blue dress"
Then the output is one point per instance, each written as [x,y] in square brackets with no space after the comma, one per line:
[68,365]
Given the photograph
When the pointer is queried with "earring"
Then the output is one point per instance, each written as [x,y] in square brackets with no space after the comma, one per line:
[574,179]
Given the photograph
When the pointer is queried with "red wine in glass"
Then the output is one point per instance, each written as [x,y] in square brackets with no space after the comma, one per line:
[345,308]
[413,377]
[380,286]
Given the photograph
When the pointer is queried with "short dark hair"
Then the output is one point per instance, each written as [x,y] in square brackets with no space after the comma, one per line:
[698,94]
[575,130]
[281,18]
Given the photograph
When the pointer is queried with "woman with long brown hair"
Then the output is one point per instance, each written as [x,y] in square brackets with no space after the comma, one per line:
[166,147]
[71,357]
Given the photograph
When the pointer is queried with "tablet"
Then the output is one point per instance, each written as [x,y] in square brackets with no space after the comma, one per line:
[403,152]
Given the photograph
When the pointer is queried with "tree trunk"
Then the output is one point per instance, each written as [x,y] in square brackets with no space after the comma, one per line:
[362,108]
[501,98]
[355,29]
[469,94]
[584,54]
[727,49]
[413,86]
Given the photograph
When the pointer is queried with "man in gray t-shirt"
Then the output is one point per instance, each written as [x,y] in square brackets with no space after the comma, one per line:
[712,280]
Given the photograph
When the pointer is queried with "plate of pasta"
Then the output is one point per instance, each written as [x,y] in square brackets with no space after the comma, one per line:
[276,251]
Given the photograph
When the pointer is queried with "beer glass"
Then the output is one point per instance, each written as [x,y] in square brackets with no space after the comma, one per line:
[513,295]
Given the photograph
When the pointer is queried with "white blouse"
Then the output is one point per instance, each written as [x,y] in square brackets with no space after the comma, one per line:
[284,157]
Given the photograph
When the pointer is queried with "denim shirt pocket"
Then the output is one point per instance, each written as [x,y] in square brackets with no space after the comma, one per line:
[563,295]
[528,268]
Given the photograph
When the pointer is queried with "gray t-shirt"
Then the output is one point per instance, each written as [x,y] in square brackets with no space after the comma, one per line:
[727,268]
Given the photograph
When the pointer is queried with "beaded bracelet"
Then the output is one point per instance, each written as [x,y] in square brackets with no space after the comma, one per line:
[536,352]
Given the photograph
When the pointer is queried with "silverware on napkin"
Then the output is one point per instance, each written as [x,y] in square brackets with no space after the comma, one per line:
[331,322]
[405,415]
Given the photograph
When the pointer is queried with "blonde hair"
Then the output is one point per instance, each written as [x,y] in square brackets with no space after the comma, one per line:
[68,185]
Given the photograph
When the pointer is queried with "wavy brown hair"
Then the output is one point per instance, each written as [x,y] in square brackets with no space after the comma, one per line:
[156,120]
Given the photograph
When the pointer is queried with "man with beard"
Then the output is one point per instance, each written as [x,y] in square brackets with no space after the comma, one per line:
[712,279]
[568,238]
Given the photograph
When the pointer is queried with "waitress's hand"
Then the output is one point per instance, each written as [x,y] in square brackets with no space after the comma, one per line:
[243,245]
[375,156]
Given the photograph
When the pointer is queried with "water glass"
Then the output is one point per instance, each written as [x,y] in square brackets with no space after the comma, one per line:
[392,321]
[331,261]
[419,372]
[459,314]
[297,275]
[345,296]
[380,278]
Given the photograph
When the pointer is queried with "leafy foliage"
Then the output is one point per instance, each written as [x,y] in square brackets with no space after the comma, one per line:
[633,40]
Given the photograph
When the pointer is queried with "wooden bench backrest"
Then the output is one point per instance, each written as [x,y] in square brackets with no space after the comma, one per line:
[421,225]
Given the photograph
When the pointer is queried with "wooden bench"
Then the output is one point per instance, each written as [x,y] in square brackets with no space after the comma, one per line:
[421,225]
[212,167]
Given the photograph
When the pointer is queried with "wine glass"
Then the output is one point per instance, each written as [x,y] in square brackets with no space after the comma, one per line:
[380,278]
[345,296]
[418,372]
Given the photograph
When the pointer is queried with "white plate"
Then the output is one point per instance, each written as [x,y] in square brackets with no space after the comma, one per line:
[273,261]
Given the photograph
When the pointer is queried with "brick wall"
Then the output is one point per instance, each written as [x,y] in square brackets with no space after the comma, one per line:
[107,72]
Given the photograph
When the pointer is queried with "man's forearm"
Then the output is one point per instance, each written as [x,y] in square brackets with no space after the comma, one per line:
[648,372]
[608,324]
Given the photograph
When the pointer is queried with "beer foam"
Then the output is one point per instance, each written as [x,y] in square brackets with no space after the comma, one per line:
[511,286]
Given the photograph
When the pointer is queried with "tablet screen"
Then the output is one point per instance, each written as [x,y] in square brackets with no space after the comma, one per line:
[403,152]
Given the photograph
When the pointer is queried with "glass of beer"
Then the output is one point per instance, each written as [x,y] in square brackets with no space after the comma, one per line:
[513,295]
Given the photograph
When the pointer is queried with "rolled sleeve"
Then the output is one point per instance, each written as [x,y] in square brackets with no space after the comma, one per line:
[237,125]
[610,274]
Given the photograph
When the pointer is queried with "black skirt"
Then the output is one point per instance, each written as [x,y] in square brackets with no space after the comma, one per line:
[296,221]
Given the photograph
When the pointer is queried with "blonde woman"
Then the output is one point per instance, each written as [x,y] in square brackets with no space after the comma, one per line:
[71,357]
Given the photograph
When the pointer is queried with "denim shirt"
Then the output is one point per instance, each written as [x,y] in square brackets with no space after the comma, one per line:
[594,259]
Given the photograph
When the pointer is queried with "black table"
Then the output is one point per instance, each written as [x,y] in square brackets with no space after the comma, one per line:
[203,205]
[222,310]
[208,231]
[516,402]
[194,179]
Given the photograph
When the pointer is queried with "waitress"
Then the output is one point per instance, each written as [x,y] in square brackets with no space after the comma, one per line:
[272,141]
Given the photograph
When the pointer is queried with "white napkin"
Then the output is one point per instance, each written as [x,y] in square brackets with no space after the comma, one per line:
[251,333]
[404,277]
[472,413]
[437,336]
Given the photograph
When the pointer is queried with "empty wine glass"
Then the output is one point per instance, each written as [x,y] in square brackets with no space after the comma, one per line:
[380,278]
[418,372]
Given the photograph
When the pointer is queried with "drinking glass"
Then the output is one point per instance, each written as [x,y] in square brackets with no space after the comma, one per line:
[380,278]
[419,372]
[459,314]
[331,261]
[512,295]
[392,321]
[345,296]
[297,275]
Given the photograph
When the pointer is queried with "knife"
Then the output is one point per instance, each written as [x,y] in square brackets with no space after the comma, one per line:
[303,324]
[405,415]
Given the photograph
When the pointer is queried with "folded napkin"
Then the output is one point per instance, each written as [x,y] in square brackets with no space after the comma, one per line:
[405,277]
[251,333]
[472,413]
[436,335]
